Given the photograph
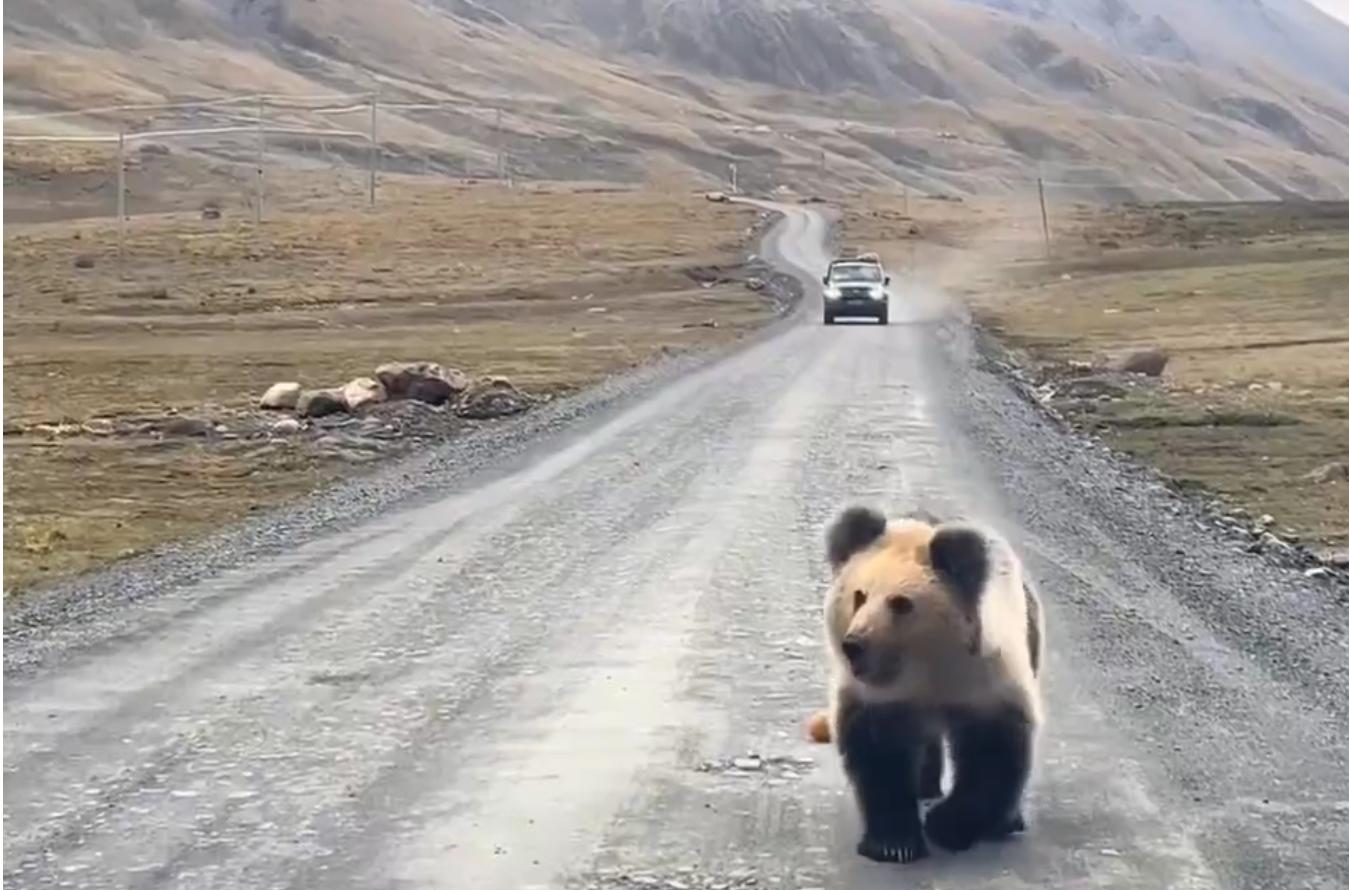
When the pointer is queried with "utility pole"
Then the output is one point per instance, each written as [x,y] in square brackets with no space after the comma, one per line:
[1044,213]
[374,144]
[121,200]
[501,154]
[262,150]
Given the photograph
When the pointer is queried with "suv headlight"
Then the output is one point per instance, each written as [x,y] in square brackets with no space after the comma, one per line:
[878,293]
[831,293]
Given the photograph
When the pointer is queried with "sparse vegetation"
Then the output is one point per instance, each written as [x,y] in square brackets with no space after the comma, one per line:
[1251,302]
[552,288]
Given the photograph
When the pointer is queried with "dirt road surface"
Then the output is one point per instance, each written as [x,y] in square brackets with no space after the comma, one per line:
[584,661]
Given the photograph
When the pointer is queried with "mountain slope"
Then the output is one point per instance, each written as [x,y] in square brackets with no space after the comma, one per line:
[1230,34]
[1116,96]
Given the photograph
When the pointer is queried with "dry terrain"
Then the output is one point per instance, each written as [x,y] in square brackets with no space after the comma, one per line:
[1132,96]
[1250,301]
[130,386]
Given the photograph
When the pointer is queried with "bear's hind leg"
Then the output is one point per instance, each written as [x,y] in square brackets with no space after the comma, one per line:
[992,757]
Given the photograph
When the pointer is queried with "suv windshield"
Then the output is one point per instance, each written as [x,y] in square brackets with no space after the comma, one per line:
[864,272]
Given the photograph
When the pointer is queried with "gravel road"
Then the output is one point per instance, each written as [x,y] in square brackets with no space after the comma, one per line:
[580,656]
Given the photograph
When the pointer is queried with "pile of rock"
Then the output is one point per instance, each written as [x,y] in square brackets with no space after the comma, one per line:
[424,382]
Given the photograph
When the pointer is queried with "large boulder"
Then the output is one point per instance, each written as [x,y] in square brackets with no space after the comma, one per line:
[424,381]
[281,396]
[363,391]
[1148,362]
[320,403]
[492,397]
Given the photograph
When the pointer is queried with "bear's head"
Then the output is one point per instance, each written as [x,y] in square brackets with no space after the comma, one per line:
[905,591]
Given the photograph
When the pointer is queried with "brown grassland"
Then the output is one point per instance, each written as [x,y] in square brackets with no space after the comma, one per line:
[1251,301]
[552,287]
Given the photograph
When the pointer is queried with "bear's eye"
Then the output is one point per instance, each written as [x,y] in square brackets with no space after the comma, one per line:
[901,605]
[859,599]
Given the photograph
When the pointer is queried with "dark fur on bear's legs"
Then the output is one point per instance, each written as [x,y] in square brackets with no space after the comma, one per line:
[882,748]
[929,780]
[992,757]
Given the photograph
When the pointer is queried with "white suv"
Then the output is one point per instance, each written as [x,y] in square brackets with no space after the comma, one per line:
[856,287]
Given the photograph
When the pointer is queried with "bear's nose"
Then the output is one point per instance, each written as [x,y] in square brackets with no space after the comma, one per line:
[853,650]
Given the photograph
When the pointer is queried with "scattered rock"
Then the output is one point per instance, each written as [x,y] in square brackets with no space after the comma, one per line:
[281,396]
[1338,559]
[710,275]
[154,148]
[187,426]
[755,284]
[320,403]
[718,197]
[99,426]
[1091,388]
[1334,471]
[493,397]
[1148,362]
[1317,572]
[85,261]
[777,767]
[1109,244]
[286,426]
[361,392]
[1269,543]
[424,381]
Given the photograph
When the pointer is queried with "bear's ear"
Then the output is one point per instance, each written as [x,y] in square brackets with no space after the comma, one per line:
[959,555]
[855,529]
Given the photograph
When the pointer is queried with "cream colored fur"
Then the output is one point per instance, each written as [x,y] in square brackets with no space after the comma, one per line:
[939,669]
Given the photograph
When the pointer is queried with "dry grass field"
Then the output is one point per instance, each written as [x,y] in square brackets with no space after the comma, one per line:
[552,287]
[1251,301]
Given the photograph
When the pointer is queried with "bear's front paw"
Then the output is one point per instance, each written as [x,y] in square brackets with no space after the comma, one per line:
[903,847]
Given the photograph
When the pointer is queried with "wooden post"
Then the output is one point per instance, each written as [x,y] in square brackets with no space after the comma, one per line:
[906,199]
[735,177]
[1044,213]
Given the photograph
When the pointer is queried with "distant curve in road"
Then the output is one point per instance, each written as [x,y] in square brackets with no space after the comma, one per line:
[539,678]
